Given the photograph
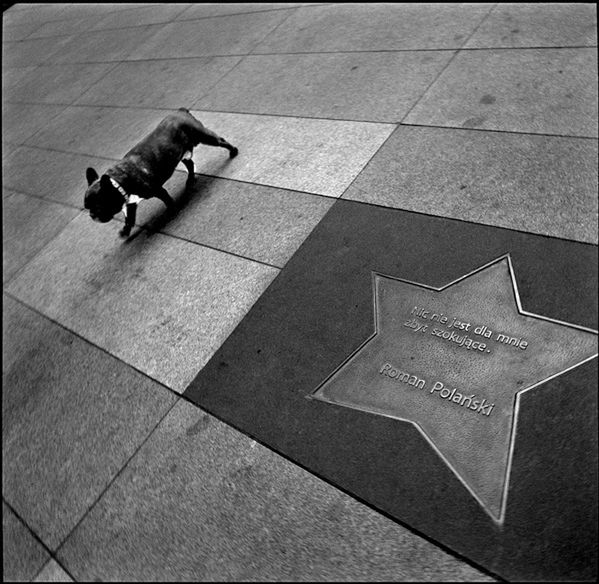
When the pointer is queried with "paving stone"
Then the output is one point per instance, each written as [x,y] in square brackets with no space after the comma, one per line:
[257,222]
[206,10]
[53,175]
[27,225]
[12,76]
[539,184]
[17,32]
[61,84]
[201,501]
[21,121]
[71,418]
[319,311]
[63,27]
[52,572]
[311,155]
[151,14]
[537,25]
[32,51]
[160,304]
[338,86]
[104,45]
[547,91]
[340,27]
[230,35]
[22,554]
[168,83]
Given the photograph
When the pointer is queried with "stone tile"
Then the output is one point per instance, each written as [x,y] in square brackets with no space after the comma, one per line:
[53,175]
[22,554]
[12,76]
[311,155]
[28,224]
[231,35]
[340,27]
[151,14]
[160,304]
[53,572]
[549,91]
[339,86]
[257,222]
[32,51]
[17,32]
[70,26]
[21,121]
[104,45]
[71,418]
[538,184]
[538,25]
[169,83]
[61,84]
[201,501]
[109,132]
[206,10]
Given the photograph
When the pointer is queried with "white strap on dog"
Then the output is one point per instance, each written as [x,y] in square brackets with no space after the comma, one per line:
[129,199]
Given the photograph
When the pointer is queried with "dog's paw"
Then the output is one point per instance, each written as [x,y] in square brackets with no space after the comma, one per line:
[233,153]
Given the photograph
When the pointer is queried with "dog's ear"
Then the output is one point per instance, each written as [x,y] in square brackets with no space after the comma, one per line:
[105,182]
[91,175]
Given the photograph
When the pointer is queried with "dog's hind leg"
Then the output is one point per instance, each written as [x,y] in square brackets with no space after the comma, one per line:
[208,137]
[165,198]
[188,162]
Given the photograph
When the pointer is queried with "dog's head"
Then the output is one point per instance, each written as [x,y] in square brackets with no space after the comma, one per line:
[101,199]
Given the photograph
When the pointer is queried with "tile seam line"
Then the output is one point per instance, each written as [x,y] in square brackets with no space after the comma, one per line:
[39,541]
[329,197]
[279,115]
[345,491]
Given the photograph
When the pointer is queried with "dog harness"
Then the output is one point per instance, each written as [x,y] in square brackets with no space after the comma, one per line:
[129,199]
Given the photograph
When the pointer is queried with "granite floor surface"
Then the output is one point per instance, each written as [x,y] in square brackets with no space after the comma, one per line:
[482,113]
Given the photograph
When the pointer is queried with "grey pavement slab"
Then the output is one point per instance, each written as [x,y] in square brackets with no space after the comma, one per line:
[100,131]
[547,91]
[312,155]
[22,554]
[207,10]
[202,502]
[21,121]
[18,32]
[538,184]
[103,45]
[32,51]
[53,175]
[391,26]
[62,27]
[52,572]
[225,35]
[257,222]
[160,304]
[339,86]
[168,83]
[151,14]
[28,224]
[538,25]
[61,84]
[71,418]
[12,76]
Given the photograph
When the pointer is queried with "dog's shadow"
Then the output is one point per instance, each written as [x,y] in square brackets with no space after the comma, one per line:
[197,188]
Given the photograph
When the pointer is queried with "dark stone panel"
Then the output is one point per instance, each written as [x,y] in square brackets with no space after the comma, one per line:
[319,310]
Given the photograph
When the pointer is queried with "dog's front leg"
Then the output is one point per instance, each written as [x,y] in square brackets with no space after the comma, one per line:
[130,212]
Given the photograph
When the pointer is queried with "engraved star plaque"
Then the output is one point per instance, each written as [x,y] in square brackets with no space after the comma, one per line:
[454,362]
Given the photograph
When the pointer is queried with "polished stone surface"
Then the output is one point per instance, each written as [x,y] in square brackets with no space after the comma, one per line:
[231,35]
[61,84]
[534,25]
[539,184]
[166,83]
[201,501]
[153,14]
[311,155]
[338,86]
[549,91]
[71,418]
[260,223]
[28,224]
[340,27]
[21,121]
[320,310]
[52,572]
[207,10]
[22,554]
[158,303]
[31,52]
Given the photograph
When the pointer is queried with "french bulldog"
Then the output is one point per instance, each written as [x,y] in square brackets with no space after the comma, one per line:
[141,173]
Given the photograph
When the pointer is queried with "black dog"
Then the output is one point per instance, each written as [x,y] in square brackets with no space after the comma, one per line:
[146,167]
